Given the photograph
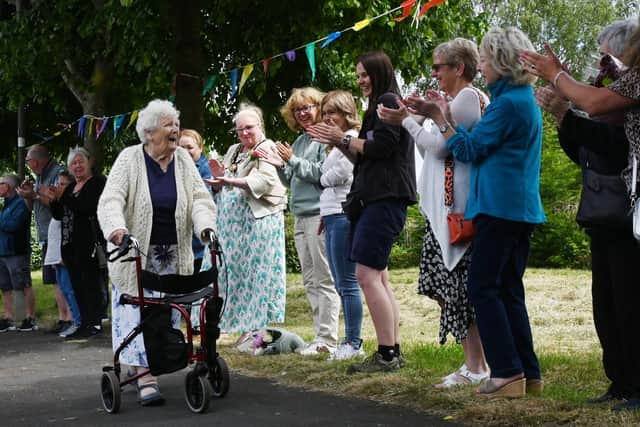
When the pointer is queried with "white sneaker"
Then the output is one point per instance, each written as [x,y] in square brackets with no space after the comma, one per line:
[347,351]
[70,330]
[316,348]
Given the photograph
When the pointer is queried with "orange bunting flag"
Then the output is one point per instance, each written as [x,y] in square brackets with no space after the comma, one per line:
[406,10]
[361,24]
[426,7]
[265,64]
[246,72]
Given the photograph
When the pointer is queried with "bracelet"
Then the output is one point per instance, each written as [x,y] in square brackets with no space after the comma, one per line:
[555,79]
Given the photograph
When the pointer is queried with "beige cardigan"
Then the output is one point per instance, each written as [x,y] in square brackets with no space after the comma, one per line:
[266,193]
[126,204]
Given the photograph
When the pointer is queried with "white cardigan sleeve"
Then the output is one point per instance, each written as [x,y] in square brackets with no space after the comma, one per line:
[428,138]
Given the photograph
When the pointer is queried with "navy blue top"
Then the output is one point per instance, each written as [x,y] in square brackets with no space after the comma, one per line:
[162,187]
[205,172]
[504,149]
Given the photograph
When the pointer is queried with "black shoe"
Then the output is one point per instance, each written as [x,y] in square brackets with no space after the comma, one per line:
[84,332]
[632,404]
[60,326]
[608,396]
[28,324]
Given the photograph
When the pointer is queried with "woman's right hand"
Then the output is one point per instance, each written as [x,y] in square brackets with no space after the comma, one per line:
[117,236]
[270,156]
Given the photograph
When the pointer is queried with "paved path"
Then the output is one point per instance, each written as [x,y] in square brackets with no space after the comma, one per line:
[45,381]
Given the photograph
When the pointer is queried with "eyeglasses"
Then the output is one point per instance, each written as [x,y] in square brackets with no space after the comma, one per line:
[436,67]
[28,159]
[304,109]
[248,128]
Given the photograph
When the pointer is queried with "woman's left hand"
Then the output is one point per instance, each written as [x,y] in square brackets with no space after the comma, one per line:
[326,133]
[393,116]
[284,150]
[544,66]
[270,156]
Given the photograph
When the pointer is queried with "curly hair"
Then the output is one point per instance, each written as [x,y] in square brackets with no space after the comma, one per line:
[460,51]
[298,98]
[343,101]
[502,48]
[149,117]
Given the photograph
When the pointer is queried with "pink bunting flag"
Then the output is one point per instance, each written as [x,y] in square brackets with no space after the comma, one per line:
[265,64]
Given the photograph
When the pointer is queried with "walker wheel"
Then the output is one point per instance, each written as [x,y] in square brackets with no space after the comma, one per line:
[110,392]
[219,378]
[197,392]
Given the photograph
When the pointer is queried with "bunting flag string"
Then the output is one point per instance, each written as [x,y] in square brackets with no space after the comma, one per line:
[309,48]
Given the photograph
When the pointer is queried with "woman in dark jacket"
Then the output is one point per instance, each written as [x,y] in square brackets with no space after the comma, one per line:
[384,185]
[79,252]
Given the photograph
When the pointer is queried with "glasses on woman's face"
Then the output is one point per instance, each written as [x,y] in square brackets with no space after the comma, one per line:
[247,128]
[304,109]
[436,67]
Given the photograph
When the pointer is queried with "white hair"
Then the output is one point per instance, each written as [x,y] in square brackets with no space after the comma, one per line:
[11,179]
[75,151]
[149,117]
[502,47]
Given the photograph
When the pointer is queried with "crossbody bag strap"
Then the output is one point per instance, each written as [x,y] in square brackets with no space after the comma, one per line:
[634,180]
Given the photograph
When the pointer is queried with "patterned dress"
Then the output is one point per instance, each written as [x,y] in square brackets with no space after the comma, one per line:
[449,288]
[161,259]
[628,85]
[252,278]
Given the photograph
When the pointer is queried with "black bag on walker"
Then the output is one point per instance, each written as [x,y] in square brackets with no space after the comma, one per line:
[166,347]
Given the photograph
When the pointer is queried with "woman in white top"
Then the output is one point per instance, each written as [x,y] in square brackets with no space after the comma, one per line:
[444,266]
[339,108]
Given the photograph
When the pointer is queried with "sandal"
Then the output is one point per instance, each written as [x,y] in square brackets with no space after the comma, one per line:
[463,377]
[154,398]
[512,389]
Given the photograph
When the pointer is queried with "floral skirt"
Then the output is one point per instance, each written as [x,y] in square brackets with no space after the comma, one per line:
[162,259]
[448,288]
[252,278]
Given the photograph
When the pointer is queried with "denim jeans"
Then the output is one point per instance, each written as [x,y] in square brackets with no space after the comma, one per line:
[498,260]
[337,228]
[64,282]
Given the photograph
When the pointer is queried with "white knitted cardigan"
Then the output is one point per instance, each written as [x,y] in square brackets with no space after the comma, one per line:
[126,204]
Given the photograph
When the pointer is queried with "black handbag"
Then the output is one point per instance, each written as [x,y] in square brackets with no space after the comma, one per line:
[353,206]
[604,201]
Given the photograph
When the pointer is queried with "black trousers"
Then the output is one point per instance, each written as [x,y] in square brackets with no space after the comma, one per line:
[88,281]
[615,258]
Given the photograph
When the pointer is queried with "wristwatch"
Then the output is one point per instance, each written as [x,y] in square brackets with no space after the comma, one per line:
[346,140]
[444,127]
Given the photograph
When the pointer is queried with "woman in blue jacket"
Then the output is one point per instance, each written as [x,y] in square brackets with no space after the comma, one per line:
[504,202]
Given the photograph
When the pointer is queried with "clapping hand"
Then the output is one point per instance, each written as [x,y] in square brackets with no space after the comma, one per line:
[545,66]
[284,150]
[326,133]
[393,116]
[433,105]
[270,156]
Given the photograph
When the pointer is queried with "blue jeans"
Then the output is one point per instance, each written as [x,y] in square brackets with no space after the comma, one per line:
[337,228]
[64,282]
[498,260]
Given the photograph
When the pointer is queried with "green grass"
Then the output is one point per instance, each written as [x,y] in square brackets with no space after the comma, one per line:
[559,303]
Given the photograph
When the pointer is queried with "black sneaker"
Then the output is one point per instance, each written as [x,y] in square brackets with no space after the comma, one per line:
[60,326]
[28,324]
[84,332]
[7,325]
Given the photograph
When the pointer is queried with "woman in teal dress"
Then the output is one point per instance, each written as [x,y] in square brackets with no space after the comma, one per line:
[251,201]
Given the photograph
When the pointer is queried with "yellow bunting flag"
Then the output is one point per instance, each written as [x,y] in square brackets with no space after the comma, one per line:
[246,72]
[361,24]
[132,119]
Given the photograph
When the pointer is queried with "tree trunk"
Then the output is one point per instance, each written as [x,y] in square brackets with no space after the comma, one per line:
[189,67]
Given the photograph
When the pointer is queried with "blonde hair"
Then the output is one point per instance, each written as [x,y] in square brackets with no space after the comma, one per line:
[342,101]
[460,51]
[298,98]
[502,48]
[191,133]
